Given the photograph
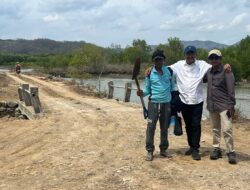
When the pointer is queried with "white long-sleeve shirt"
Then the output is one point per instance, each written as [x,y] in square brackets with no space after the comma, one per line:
[189,79]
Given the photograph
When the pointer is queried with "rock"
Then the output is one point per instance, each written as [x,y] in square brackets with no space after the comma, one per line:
[91,174]
[17,113]
[3,109]
[50,77]
[22,117]
[125,158]
[10,110]
[12,105]
[3,104]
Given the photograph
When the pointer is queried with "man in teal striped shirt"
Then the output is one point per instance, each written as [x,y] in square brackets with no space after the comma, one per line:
[159,85]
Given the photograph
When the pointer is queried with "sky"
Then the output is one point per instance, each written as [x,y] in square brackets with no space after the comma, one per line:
[104,22]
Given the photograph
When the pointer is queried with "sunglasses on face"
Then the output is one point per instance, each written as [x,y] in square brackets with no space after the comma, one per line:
[214,57]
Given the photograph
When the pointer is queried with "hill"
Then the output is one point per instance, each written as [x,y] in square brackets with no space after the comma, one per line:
[208,45]
[47,46]
[38,46]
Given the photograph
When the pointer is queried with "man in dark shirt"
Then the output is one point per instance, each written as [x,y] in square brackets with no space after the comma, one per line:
[220,104]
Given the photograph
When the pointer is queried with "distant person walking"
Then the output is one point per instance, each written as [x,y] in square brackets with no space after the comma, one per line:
[159,85]
[220,104]
[18,68]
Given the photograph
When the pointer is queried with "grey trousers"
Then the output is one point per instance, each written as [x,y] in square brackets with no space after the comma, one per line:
[161,111]
[221,122]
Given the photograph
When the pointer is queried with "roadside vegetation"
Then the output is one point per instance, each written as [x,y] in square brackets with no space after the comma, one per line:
[92,59]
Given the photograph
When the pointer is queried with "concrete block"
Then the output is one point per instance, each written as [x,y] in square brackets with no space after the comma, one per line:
[27,98]
[20,93]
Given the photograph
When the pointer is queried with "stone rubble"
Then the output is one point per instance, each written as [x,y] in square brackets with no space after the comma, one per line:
[10,109]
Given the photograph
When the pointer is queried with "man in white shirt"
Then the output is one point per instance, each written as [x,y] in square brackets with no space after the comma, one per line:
[189,78]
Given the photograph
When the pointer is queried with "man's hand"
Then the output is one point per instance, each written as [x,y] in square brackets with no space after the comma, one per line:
[228,68]
[231,113]
[148,71]
[139,93]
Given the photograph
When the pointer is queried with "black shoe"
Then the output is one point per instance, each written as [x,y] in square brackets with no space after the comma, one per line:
[216,154]
[232,158]
[189,152]
[164,153]
[149,156]
[196,155]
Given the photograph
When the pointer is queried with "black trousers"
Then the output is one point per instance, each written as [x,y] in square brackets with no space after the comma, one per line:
[192,116]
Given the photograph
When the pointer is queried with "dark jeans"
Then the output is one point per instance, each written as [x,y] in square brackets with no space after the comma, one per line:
[162,112]
[192,116]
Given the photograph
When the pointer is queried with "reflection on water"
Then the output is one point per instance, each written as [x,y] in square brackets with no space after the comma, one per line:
[242,94]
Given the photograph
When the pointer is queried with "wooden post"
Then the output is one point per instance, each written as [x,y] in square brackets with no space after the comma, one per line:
[111,89]
[35,100]
[128,87]
[81,82]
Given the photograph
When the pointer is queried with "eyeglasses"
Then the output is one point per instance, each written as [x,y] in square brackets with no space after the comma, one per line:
[214,57]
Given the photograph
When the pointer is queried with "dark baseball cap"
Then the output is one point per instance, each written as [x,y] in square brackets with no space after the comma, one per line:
[190,49]
[158,54]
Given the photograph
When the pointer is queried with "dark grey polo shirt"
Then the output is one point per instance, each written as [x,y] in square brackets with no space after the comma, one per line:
[220,90]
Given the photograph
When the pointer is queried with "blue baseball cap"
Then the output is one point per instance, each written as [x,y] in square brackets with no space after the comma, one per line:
[190,49]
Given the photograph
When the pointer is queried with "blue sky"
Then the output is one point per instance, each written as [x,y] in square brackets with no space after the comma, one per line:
[114,21]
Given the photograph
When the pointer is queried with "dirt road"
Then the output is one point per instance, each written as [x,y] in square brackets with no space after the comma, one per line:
[88,143]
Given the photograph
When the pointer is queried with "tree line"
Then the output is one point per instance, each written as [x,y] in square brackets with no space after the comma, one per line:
[114,59]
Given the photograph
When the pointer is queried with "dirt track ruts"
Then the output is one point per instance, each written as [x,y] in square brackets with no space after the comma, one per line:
[89,143]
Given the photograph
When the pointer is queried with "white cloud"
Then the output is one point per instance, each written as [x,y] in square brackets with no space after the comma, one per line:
[238,19]
[111,21]
[51,18]
[211,27]
[185,18]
